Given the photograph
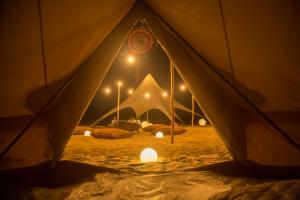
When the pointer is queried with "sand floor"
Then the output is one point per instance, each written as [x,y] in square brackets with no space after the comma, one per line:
[171,177]
[197,166]
[197,147]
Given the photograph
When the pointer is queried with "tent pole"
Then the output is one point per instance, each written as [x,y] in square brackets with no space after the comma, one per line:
[193,110]
[147,113]
[172,99]
[118,111]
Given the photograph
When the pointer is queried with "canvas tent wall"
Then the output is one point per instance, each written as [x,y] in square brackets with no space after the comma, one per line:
[44,43]
[140,105]
[241,63]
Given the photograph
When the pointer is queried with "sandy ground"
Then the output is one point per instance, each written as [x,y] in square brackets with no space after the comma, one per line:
[197,166]
[197,147]
[171,177]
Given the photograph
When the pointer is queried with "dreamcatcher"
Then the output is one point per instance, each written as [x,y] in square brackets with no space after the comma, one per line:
[140,41]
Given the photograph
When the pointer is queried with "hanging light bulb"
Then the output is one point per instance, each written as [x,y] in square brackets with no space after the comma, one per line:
[119,83]
[182,87]
[107,90]
[147,95]
[130,59]
[130,91]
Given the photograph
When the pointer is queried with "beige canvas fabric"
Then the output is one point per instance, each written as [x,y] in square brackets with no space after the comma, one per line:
[72,32]
[230,111]
[262,39]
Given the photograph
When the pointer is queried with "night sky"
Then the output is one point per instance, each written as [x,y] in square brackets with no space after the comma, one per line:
[155,62]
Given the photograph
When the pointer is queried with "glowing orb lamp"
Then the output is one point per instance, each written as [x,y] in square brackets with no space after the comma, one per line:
[202,122]
[148,155]
[159,135]
[87,133]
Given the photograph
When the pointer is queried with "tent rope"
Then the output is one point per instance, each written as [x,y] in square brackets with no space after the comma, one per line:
[248,101]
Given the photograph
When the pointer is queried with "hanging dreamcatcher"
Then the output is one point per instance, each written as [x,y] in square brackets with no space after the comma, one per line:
[140,41]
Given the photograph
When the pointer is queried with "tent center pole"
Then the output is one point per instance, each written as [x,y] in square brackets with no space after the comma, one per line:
[172,99]
[147,113]
[118,111]
[193,110]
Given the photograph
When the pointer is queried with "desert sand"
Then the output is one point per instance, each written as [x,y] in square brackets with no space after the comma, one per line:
[197,147]
[197,166]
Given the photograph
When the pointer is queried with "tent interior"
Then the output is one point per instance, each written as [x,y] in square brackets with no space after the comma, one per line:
[238,60]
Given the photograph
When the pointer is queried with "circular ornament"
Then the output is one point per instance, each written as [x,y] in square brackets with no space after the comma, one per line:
[140,41]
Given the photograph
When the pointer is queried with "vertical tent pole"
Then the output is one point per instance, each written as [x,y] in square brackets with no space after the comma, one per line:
[118,112]
[193,110]
[172,99]
[147,113]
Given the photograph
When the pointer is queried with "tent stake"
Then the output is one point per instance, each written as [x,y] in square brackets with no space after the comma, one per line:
[172,99]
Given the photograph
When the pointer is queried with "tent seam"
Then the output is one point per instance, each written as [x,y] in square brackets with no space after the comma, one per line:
[226,37]
[43,48]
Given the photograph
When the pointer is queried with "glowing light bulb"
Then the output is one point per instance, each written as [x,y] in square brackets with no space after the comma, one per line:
[164,94]
[130,59]
[202,122]
[147,95]
[87,133]
[159,135]
[107,90]
[130,91]
[182,87]
[148,155]
[119,83]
